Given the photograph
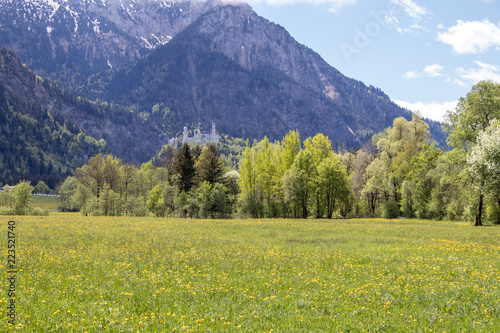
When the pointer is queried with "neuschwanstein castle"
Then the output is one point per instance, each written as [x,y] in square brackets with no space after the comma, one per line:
[198,137]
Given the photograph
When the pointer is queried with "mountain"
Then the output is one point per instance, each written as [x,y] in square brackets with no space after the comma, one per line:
[252,78]
[46,132]
[69,40]
[35,144]
[186,83]
[155,67]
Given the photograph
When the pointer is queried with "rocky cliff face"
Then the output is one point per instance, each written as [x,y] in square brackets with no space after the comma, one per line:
[253,42]
[64,38]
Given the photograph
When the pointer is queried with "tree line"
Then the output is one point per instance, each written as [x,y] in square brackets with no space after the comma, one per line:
[187,182]
[15,200]
[401,172]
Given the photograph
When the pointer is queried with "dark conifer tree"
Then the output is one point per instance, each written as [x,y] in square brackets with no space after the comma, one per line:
[209,166]
[183,167]
[197,152]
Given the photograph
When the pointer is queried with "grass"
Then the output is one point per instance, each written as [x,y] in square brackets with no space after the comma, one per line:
[90,274]
[49,203]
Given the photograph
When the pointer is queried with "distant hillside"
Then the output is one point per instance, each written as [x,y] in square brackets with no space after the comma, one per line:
[34,144]
[45,132]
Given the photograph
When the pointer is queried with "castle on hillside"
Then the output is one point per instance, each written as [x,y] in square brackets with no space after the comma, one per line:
[198,137]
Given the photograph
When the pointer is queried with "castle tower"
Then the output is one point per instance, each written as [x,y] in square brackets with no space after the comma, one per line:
[185,135]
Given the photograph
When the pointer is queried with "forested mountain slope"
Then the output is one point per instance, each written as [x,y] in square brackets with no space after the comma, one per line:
[46,131]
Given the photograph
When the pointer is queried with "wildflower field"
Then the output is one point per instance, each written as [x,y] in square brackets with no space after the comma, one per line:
[95,274]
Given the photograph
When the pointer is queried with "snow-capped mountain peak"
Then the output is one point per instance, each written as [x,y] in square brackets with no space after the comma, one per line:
[105,33]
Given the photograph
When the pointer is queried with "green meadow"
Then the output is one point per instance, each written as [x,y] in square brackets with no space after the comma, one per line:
[39,201]
[106,274]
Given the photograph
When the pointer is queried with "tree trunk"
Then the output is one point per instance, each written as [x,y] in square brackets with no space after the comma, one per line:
[304,207]
[498,201]
[333,206]
[328,206]
[479,211]
[372,203]
[317,202]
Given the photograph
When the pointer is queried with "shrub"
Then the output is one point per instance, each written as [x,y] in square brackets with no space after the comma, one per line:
[390,210]
[39,211]
[92,207]
[6,211]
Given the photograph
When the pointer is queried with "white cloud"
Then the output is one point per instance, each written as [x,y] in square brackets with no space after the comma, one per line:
[482,72]
[471,37]
[336,5]
[434,110]
[391,19]
[333,5]
[413,29]
[433,70]
[411,75]
[415,13]
[411,8]
[456,81]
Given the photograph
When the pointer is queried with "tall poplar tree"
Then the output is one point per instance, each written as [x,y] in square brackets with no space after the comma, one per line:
[247,182]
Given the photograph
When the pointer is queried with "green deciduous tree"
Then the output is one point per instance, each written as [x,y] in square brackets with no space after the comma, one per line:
[299,183]
[397,146]
[7,196]
[41,188]
[248,183]
[473,114]
[290,148]
[484,163]
[419,184]
[321,148]
[155,202]
[103,177]
[128,187]
[333,186]
[92,174]
[67,201]
[377,187]
[266,171]
[22,197]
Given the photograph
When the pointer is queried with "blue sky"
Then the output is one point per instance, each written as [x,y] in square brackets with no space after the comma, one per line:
[424,54]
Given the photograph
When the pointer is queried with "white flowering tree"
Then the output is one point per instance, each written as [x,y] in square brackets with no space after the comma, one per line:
[484,163]
[473,114]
